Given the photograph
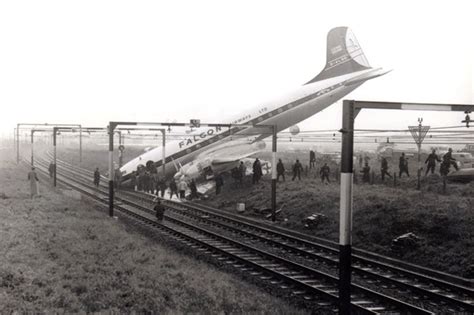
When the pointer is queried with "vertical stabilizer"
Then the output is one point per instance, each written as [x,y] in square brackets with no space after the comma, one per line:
[344,55]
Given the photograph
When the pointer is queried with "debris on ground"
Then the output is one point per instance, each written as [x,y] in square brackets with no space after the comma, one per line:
[406,241]
[312,221]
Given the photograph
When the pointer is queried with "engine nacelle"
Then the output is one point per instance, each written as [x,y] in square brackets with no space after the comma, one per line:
[294,130]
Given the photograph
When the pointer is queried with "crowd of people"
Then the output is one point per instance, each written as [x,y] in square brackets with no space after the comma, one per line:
[146,178]
[431,161]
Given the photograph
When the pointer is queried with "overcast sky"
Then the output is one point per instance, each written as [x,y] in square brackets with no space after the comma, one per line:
[90,62]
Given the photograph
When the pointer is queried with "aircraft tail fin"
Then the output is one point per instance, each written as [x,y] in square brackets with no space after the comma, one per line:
[344,55]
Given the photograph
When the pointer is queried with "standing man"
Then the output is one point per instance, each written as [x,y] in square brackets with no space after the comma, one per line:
[242,170]
[384,168]
[182,186]
[403,165]
[280,170]
[155,183]
[431,160]
[297,168]
[133,181]
[51,170]
[193,188]
[173,189]
[162,185]
[118,178]
[366,173]
[448,160]
[96,177]
[147,182]
[219,183]
[324,172]
[312,159]
[257,171]
[33,178]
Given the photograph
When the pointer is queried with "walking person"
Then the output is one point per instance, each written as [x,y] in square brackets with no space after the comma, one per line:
[384,168]
[324,172]
[403,165]
[280,170]
[431,160]
[33,178]
[97,177]
[159,210]
[173,189]
[448,160]
[297,168]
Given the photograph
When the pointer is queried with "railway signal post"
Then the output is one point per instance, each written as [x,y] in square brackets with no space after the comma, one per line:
[350,109]
[419,132]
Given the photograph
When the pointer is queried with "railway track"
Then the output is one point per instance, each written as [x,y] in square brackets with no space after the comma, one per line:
[268,246]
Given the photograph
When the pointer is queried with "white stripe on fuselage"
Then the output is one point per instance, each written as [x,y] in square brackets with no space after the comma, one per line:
[282,112]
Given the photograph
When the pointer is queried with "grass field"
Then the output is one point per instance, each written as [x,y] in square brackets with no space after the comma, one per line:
[382,211]
[60,254]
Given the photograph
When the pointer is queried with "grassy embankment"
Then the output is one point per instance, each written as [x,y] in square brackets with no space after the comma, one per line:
[60,254]
[381,211]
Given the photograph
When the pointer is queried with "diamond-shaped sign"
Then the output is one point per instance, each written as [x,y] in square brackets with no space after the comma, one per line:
[418,133]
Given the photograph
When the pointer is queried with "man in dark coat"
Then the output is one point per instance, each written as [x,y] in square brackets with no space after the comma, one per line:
[280,170]
[403,165]
[366,173]
[384,168]
[173,189]
[51,170]
[257,171]
[159,210]
[133,180]
[448,160]
[97,177]
[431,160]
[297,168]
[219,183]
[324,172]
[242,170]
[193,188]
[312,159]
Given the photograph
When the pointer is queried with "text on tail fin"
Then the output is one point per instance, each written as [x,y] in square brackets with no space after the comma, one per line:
[344,55]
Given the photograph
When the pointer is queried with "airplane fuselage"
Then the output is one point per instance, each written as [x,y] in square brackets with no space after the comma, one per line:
[283,113]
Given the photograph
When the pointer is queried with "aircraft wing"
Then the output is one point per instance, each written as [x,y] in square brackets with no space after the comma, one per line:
[230,158]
